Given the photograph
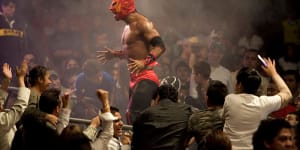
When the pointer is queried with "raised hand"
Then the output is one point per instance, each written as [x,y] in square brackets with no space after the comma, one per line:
[65,100]
[103,96]
[6,70]
[270,69]
[22,70]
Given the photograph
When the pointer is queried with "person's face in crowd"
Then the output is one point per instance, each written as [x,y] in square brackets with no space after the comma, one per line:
[118,125]
[94,78]
[199,79]
[55,81]
[283,141]
[291,82]
[214,57]
[46,82]
[292,119]
[101,40]
[9,10]
[30,59]
[71,64]
[272,89]
[250,59]
[183,74]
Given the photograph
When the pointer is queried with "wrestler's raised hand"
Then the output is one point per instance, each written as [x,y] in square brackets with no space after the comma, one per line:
[105,55]
[135,66]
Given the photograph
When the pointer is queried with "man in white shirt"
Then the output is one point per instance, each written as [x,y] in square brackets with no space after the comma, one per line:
[9,118]
[215,55]
[244,111]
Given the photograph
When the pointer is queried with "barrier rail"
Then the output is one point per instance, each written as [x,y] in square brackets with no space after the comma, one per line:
[87,122]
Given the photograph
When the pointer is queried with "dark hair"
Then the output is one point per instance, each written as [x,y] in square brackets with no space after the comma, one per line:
[267,131]
[250,80]
[202,68]
[6,2]
[49,100]
[217,140]
[183,64]
[36,73]
[113,109]
[73,138]
[216,93]
[91,67]
[167,91]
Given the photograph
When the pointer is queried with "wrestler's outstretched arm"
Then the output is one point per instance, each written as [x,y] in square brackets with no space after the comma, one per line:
[108,54]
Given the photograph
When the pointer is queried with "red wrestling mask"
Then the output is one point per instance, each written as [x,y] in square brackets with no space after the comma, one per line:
[122,8]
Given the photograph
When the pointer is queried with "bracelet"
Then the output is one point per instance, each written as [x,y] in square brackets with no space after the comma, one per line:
[119,53]
[149,59]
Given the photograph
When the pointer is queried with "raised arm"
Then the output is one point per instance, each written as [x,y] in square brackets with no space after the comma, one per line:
[8,119]
[6,70]
[106,118]
[64,115]
[284,91]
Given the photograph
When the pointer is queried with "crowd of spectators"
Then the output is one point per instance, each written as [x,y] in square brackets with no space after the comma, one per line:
[225,98]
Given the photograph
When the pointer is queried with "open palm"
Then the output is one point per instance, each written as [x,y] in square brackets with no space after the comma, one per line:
[6,69]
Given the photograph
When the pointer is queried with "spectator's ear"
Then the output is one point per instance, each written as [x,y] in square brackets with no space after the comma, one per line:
[267,145]
[155,101]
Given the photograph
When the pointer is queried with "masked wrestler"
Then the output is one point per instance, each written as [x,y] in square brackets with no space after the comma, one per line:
[141,46]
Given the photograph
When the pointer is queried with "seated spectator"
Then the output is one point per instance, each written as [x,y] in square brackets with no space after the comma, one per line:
[244,110]
[215,55]
[290,60]
[9,118]
[92,77]
[273,134]
[203,121]
[201,72]
[164,125]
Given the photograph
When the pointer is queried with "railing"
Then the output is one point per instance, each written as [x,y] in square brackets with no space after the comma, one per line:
[87,122]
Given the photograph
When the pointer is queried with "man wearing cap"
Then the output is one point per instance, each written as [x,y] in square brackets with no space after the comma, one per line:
[141,46]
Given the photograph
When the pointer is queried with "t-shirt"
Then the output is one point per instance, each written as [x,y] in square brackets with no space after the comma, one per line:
[243,113]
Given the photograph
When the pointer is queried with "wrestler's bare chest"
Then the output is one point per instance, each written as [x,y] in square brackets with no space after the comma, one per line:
[134,43]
